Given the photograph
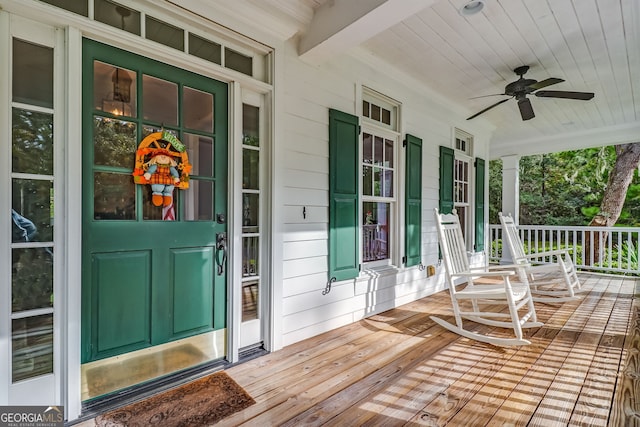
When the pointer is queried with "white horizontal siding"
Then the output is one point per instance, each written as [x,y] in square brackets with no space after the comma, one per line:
[303,213]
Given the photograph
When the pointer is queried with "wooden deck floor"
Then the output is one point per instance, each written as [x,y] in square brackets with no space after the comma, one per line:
[399,368]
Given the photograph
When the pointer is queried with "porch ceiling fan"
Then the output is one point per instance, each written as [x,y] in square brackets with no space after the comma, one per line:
[522,87]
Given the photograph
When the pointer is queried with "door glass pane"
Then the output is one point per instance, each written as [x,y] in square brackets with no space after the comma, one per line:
[200,152]
[250,169]
[158,213]
[250,125]
[159,101]
[31,347]
[32,142]
[114,90]
[32,210]
[250,213]
[114,196]
[114,142]
[249,300]
[375,231]
[32,74]
[197,109]
[198,201]
[31,278]
[250,256]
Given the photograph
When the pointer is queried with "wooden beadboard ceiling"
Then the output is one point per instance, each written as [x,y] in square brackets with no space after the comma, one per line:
[592,44]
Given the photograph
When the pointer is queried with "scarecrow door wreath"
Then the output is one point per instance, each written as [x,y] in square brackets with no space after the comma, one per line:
[162,162]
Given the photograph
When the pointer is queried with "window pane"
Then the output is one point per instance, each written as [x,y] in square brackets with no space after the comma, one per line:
[31,278]
[249,256]
[114,90]
[250,213]
[250,125]
[114,196]
[200,151]
[160,101]
[32,74]
[205,49]
[375,112]
[386,116]
[365,109]
[117,16]
[32,210]
[32,142]
[31,347]
[115,142]
[367,148]
[198,201]
[197,109]
[387,188]
[239,62]
[250,169]
[375,231]
[164,33]
[367,180]
[377,182]
[378,153]
[388,153]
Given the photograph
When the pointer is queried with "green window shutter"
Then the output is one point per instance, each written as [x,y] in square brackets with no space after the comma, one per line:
[343,196]
[413,201]
[446,179]
[479,235]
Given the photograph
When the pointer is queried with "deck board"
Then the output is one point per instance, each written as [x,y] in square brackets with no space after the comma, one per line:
[400,368]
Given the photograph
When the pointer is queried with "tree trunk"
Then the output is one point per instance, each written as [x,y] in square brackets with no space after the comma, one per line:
[627,159]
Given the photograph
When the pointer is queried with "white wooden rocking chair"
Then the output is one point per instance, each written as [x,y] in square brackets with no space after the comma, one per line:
[482,302]
[552,282]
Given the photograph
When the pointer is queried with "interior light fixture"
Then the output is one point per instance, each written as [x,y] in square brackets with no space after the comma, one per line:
[472,7]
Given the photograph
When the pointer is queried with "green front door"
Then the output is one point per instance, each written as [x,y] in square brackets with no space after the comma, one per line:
[150,274]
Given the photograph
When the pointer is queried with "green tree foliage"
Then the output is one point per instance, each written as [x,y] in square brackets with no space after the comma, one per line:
[564,188]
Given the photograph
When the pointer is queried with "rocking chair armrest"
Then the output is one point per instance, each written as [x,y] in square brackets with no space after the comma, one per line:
[485,273]
[508,266]
[547,253]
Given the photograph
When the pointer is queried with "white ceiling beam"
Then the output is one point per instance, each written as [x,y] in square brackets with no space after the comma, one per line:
[339,25]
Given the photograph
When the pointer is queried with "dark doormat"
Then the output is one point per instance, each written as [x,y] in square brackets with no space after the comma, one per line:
[198,403]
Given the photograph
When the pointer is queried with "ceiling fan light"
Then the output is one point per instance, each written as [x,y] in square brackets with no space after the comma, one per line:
[472,7]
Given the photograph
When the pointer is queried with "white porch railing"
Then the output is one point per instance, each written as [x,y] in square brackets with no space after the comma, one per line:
[618,250]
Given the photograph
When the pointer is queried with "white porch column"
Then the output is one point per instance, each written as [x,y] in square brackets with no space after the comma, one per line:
[510,195]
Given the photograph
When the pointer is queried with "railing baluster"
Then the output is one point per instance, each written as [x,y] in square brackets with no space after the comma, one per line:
[606,239]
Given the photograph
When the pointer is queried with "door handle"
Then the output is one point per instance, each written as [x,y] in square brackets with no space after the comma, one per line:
[221,252]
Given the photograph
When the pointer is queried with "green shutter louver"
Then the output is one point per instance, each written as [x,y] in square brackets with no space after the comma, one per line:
[343,196]
[413,201]
[446,179]
[480,182]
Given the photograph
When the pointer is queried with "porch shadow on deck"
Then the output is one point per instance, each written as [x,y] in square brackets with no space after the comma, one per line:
[400,368]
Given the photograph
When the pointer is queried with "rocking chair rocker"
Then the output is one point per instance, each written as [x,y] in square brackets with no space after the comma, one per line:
[486,301]
[553,282]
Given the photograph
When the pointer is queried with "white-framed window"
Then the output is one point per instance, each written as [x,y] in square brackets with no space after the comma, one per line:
[462,181]
[380,140]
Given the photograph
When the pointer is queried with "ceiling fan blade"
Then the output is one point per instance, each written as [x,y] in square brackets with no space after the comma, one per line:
[526,110]
[584,96]
[488,108]
[485,96]
[545,83]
